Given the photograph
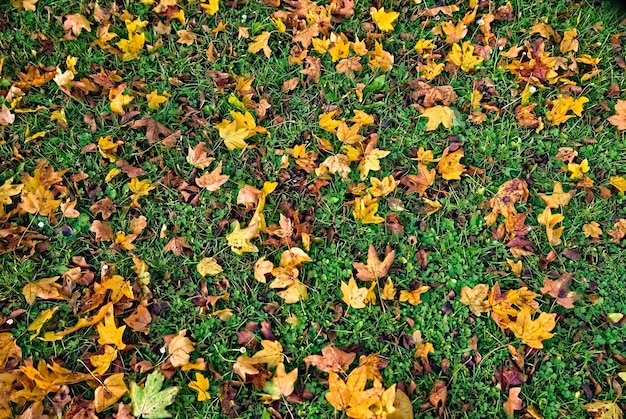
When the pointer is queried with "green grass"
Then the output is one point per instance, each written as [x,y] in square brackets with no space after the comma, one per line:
[584,353]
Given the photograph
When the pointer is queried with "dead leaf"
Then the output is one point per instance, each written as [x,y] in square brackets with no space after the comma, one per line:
[513,403]
[374,268]
[332,359]
[180,348]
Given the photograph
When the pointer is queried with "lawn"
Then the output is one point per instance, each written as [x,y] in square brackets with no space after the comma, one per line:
[333,209]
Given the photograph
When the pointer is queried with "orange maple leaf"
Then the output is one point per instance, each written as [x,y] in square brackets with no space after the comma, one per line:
[619,119]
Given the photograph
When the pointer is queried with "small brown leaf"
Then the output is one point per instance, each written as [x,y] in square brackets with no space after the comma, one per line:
[176,245]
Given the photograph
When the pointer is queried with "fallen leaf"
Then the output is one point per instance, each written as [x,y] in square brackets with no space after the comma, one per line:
[352,295]
[374,268]
[384,20]
[179,348]
[201,385]
[365,209]
[558,197]
[569,41]
[476,298]
[40,321]
[176,245]
[619,119]
[260,43]
[438,395]
[76,23]
[533,332]
[332,359]
[109,333]
[604,409]
[592,230]
[208,266]
[413,297]
[271,354]
[438,115]
[111,390]
[559,289]
[282,383]
[6,117]
[150,401]
[618,182]
[513,403]
[102,363]
[449,166]
[155,100]
[46,289]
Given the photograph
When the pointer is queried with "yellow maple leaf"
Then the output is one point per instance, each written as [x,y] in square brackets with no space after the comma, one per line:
[476,298]
[430,70]
[438,115]
[209,266]
[281,385]
[349,135]
[562,105]
[339,46]
[371,161]
[578,169]
[327,123]
[423,45]
[380,59]
[260,43]
[39,322]
[235,132]
[139,188]
[320,45]
[111,390]
[294,293]
[271,354]
[365,210]
[211,7]
[101,363]
[29,5]
[550,220]
[239,239]
[7,190]
[413,297]
[107,147]
[108,332]
[558,197]
[352,295]
[132,47]
[46,289]
[155,100]
[384,20]
[604,409]
[119,99]
[464,57]
[569,41]
[533,332]
[618,181]
[201,385]
[592,230]
[382,187]
[449,166]
[358,46]
[389,291]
